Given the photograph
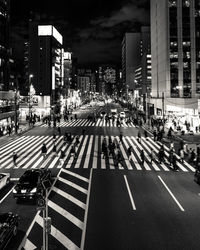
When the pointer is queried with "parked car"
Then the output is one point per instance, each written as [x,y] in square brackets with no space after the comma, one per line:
[126,110]
[8,228]
[4,179]
[29,185]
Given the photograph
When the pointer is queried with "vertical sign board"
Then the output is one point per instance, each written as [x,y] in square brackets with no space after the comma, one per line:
[53,77]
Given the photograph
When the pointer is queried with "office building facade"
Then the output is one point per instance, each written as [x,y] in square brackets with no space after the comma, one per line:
[130,59]
[175,56]
[8,105]
[46,65]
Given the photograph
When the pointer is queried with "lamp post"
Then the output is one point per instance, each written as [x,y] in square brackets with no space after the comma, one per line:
[29,81]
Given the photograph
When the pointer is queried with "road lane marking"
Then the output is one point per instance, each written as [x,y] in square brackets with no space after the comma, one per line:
[79,158]
[69,197]
[129,192]
[95,156]
[6,195]
[145,165]
[88,153]
[65,214]
[81,189]
[63,239]
[135,161]
[181,208]
[76,175]
[86,211]
[29,245]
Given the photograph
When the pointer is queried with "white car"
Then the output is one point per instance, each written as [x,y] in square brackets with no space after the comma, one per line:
[4,179]
[122,114]
[83,107]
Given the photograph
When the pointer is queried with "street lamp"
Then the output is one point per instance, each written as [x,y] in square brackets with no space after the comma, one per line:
[29,81]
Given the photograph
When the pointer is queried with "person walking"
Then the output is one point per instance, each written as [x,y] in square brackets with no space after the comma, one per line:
[142,157]
[62,156]
[171,151]
[154,135]
[130,148]
[59,130]
[146,135]
[152,156]
[182,155]
[139,136]
[44,150]
[174,162]
[120,137]
[72,151]
[161,154]
[54,137]
[15,156]
[9,130]
[192,156]
[54,150]
[119,157]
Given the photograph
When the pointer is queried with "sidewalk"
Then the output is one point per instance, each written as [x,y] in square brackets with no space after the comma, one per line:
[191,140]
[23,127]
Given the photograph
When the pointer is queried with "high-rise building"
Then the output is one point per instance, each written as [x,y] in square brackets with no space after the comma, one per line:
[175,56]
[8,107]
[142,75]
[130,58]
[45,63]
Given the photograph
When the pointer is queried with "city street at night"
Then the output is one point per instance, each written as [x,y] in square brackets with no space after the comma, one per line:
[95,204]
[100,125]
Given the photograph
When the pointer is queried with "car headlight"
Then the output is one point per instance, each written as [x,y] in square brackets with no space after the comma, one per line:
[34,190]
[14,191]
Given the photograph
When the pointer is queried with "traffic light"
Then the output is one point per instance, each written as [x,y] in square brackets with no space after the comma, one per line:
[47,223]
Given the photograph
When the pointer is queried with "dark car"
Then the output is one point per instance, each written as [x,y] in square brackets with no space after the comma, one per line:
[197,176]
[30,183]
[8,228]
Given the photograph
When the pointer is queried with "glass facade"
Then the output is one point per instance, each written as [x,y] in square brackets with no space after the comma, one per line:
[197,44]
[4,43]
[173,47]
[186,44]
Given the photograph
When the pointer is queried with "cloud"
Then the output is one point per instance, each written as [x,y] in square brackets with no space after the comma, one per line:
[129,12]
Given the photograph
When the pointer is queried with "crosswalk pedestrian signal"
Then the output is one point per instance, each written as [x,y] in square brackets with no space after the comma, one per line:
[47,223]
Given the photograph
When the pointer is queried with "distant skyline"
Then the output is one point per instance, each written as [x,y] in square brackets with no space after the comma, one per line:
[92,30]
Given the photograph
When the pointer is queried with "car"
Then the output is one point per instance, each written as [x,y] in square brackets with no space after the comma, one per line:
[102,114]
[122,114]
[83,107]
[4,179]
[114,114]
[126,110]
[29,185]
[197,176]
[8,227]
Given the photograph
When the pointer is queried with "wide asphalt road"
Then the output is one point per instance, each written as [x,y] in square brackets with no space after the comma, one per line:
[143,210]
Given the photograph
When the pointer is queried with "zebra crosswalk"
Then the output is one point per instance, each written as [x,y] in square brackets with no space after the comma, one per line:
[88,154]
[87,123]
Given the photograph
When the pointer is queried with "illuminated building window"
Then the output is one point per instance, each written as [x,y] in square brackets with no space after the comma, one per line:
[186,3]
[172,3]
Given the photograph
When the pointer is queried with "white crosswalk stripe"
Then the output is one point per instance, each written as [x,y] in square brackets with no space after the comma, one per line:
[86,123]
[88,154]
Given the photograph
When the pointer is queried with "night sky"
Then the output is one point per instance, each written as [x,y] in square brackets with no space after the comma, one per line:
[91,29]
